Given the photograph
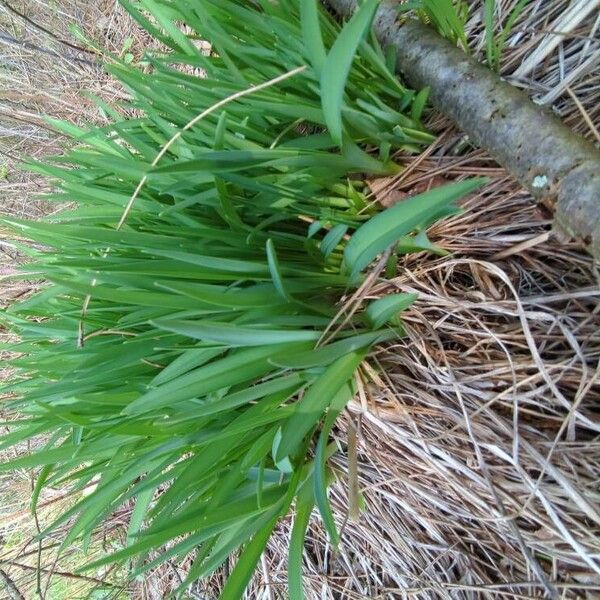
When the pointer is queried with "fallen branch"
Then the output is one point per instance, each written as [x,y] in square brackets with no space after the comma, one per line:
[552,162]
[65,574]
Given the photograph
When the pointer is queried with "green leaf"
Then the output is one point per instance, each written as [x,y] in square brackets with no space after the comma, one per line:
[311,34]
[244,568]
[285,464]
[325,355]
[338,63]
[489,8]
[418,243]
[238,367]
[381,311]
[419,104]
[275,270]
[139,512]
[332,239]
[309,410]
[233,335]
[320,479]
[304,509]
[190,359]
[42,478]
[384,229]
[161,14]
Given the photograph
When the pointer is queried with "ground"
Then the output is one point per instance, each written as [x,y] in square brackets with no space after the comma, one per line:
[478,453]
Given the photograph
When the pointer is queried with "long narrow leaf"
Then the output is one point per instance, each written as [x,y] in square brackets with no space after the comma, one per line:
[338,63]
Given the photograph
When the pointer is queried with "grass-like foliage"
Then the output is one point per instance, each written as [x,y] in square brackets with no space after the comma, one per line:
[495,43]
[449,17]
[180,356]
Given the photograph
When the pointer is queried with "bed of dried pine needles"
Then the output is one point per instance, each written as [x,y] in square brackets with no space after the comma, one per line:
[478,448]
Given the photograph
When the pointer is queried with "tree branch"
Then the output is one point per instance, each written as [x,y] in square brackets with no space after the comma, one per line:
[552,162]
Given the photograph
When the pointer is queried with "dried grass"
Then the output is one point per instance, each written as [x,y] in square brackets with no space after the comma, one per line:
[478,446]
[479,454]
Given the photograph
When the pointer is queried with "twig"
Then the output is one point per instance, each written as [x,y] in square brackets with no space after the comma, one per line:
[66,574]
[9,155]
[30,120]
[9,39]
[584,114]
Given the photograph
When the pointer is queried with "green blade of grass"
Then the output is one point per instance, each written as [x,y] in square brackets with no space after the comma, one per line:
[337,66]
[311,34]
[338,403]
[308,411]
[304,507]
[233,335]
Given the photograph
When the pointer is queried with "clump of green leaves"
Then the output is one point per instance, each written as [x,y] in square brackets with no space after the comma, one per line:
[197,383]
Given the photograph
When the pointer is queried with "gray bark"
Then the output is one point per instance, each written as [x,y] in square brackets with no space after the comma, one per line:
[552,162]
